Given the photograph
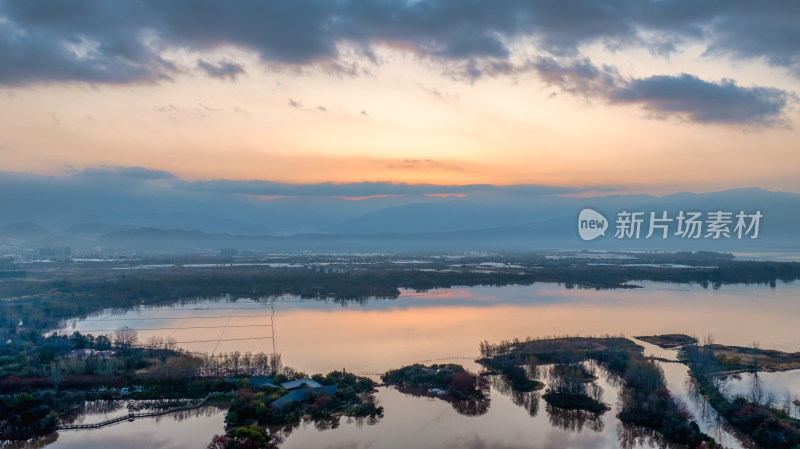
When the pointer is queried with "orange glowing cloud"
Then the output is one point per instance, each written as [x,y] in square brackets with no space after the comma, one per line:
[445,195]
[268,197]
[359,198]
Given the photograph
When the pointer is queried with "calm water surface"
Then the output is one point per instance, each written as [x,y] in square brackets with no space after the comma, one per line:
[443,326]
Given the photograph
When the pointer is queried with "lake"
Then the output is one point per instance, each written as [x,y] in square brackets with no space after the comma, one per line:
[373,336]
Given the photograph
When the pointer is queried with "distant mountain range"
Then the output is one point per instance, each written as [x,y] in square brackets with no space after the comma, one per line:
[176,215]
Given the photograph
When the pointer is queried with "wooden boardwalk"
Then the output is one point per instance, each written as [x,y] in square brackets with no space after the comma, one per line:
[661,359]
[132,416]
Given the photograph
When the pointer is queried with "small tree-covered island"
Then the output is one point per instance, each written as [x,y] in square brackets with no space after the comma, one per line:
[263,401]
[646,400]
[279,400]
[438,380]
[47,378]
[60,373]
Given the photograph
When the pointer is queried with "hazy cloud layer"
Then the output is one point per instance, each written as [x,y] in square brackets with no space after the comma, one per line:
[124,177]
[140,197]
[81,207]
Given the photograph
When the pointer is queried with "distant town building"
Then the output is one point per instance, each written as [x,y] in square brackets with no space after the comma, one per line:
[58,252]
[106,252]
[228,252]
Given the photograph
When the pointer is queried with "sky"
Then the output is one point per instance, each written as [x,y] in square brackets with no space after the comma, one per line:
[650,96]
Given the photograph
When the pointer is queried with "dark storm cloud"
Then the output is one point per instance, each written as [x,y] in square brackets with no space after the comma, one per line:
[97,41]
[705,102]
[91,41]
[685,95]
[121,41]
[766,29]
[221,70]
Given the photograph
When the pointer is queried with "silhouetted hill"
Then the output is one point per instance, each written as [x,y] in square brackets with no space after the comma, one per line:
[25,231]
[93,230]
[116,210]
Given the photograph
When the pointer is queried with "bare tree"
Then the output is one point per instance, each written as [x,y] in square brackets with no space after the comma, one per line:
[275,363]
[756,347]
[787,402]
[170,343]
[534,371]
[596,392]
[708,359]
[247,363]
[722,383]
[796,403]
[154,342]
[262,363]
[235,359]
[769,400]
[125,337]
[756,390]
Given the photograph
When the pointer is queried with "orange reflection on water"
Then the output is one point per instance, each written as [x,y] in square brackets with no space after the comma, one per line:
[376,340]
[378,335]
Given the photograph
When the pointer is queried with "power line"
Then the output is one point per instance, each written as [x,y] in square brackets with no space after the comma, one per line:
[176,317]
[156,308]
[220,339]
[193,313]
[171,328]
[223,330]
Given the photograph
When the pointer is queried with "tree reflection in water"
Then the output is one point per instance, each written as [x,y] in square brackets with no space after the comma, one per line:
[327,423]
[283,431]
[710,420]
[471,407]
[569,420]
[462,406]
[631,437]
[529,400]
[574,420]
[80,414]
[708,415]
[183,415]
